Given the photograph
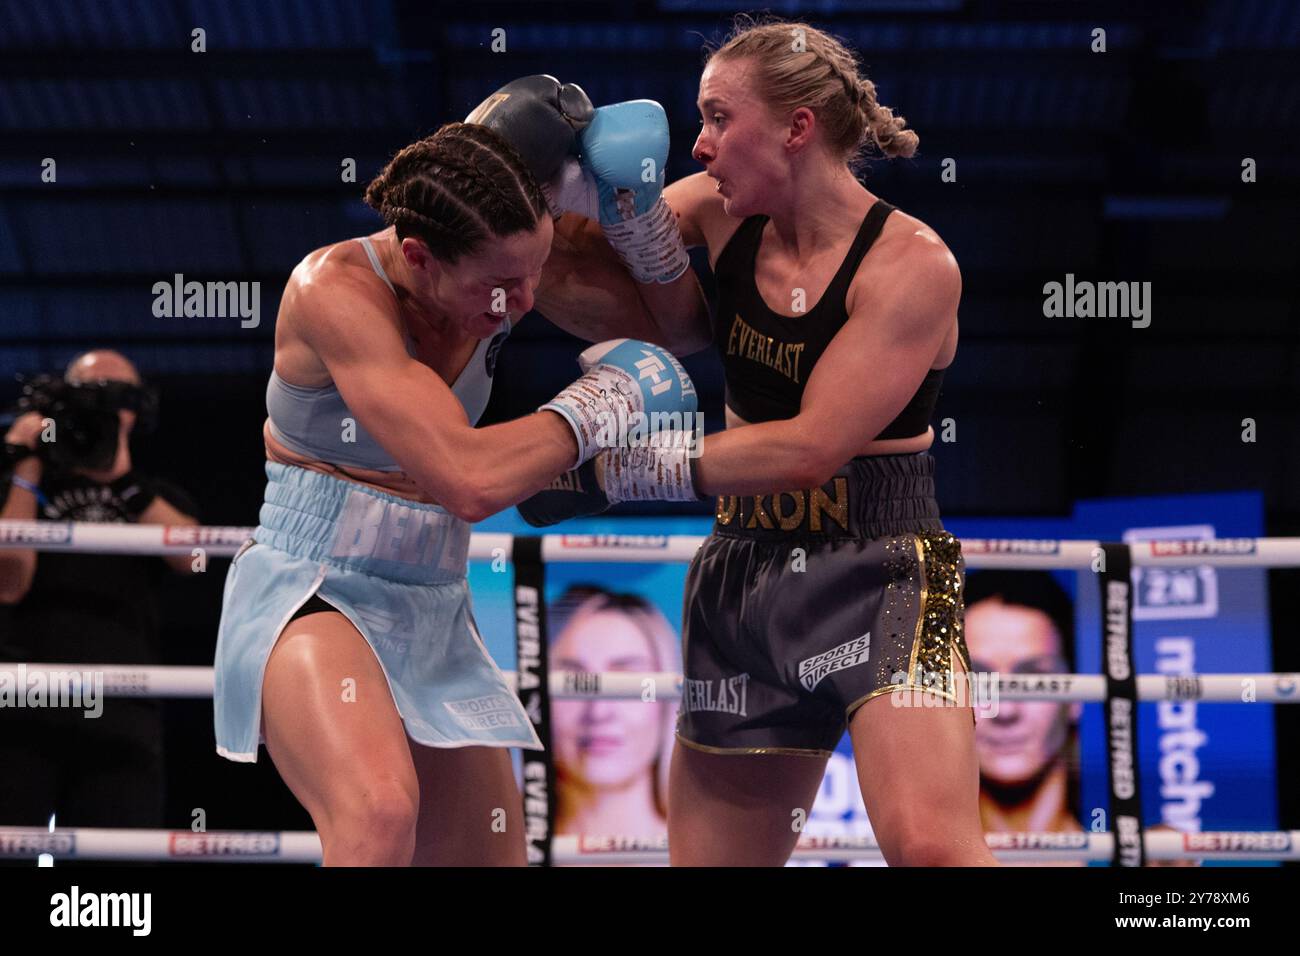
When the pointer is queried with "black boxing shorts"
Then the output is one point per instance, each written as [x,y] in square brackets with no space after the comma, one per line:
[804,605]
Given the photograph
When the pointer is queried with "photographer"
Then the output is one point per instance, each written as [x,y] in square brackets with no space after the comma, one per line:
[69,451]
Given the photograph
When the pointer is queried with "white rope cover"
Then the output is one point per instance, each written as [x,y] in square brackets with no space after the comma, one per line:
[304,846]
[1038,554]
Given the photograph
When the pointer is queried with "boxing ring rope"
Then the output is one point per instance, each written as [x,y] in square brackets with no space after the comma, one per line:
[120,680]
[1026,553]
[303,846]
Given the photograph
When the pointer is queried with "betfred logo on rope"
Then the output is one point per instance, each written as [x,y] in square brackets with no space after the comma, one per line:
[1010,546]
[27,843]
[1237,841]
[36,532]
[198,535]
[1217,546]
[621,843]
[1076,840]
[223,844]
[576,541]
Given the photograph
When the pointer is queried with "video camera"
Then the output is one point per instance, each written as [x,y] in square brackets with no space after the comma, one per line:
[85,417]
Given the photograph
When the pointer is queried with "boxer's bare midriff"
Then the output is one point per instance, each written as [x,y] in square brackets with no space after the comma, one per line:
[397,483]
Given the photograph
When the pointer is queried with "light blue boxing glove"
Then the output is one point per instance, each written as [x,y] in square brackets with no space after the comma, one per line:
[628,388]
[626,147]
[619,180]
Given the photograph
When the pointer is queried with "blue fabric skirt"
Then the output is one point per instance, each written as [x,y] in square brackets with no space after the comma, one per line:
[396,569]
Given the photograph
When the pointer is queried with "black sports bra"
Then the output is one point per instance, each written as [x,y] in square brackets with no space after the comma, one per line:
[767,357]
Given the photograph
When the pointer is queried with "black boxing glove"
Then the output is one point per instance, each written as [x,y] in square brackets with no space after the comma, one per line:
[539,116]
[576,494]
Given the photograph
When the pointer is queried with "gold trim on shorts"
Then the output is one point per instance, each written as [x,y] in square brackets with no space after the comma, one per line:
[925,596]
[952,645]
[881,691]
[726,751]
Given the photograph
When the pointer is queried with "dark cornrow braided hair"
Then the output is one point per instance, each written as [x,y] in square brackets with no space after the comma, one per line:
[456,189]
[480,142]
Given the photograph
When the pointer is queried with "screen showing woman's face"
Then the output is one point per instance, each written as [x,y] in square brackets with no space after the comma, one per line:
[1023,737]
[608,743]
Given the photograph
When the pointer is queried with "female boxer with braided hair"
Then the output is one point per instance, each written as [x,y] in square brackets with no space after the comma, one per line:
[347,641]
[826,606]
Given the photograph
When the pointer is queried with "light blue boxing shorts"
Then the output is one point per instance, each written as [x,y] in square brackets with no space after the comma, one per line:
[396,569]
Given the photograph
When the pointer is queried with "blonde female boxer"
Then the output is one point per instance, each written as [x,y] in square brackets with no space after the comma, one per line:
[827,605]
[347,641]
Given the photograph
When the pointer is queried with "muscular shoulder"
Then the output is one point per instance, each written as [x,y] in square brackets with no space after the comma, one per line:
[330,293]
[700,213]
[331,278]
[908,261]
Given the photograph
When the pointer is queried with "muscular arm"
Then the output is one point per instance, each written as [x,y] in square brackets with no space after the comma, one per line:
[863,380]
[162,511]
[586,290]
[413,414]
[18,566]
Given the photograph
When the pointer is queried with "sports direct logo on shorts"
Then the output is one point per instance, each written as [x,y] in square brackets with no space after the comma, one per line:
[849,654]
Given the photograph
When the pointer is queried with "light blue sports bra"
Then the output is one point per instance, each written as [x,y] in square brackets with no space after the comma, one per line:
[310,421]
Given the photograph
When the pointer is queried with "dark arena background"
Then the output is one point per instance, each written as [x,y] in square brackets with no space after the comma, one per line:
[1149,143]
